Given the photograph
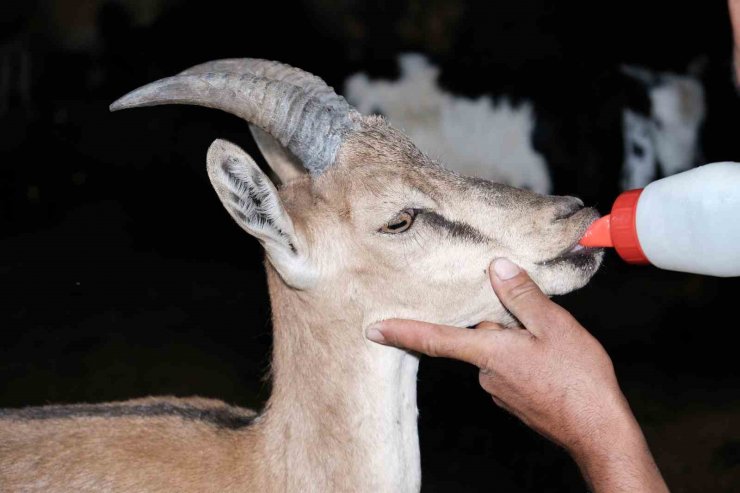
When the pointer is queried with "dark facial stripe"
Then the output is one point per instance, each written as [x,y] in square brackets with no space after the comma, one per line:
[455,229]
[220,417]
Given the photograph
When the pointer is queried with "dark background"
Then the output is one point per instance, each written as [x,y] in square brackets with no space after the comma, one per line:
[121,275]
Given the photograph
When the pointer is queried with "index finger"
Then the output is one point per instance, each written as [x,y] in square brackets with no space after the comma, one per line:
[475,346]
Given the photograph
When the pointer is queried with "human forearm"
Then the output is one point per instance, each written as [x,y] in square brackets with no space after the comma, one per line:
[617,458]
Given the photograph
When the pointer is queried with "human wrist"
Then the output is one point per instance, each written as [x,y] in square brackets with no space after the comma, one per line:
[612,423]
[615,441]
[617,458]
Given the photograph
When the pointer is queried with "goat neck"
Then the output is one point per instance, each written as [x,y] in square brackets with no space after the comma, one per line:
[337,420]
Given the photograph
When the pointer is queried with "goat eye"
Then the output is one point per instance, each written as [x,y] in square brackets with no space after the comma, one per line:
[400,223]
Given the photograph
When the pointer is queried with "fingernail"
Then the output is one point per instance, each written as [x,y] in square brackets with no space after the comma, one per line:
[374,334]
[505,268]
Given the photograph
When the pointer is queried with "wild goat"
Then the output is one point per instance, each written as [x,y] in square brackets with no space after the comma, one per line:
[374,230]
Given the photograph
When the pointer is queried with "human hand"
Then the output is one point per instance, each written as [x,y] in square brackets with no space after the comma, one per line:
[552,374]
[734,8]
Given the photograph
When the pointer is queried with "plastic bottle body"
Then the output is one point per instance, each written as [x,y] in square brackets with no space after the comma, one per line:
[690,222]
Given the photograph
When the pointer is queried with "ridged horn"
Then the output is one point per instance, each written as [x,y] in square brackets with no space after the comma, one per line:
[282,162]
[313,85]
[312,127]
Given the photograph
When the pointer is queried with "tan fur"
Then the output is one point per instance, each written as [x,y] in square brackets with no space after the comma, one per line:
[120,454]
[342,416]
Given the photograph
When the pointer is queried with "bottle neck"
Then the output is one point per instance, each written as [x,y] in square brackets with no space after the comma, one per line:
[624,228]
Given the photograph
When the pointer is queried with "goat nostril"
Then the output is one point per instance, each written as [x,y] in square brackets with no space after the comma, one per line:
[569,209]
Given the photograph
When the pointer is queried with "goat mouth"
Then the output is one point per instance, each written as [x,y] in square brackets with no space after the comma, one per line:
[577,256]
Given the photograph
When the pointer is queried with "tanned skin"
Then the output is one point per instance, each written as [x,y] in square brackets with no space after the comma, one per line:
[734,6]
[550,373]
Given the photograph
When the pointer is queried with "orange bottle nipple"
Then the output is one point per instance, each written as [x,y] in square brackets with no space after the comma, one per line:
[598,234]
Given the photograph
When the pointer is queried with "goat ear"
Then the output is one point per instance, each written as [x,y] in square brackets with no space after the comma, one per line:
[252,200]
[285,165]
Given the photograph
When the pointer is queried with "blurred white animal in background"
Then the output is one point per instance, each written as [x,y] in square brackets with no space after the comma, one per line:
[667,138]
[492,139]
[475,137]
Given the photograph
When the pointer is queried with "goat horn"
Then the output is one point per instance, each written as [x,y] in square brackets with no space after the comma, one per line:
[270,69]
[311,127]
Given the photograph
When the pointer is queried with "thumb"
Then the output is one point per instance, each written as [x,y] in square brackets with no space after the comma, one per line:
[471,346]
[523,298]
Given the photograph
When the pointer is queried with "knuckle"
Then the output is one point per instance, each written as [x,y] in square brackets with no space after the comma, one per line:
[435,345]
[485,362]
[431,348]
[521,291]
[485,379]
